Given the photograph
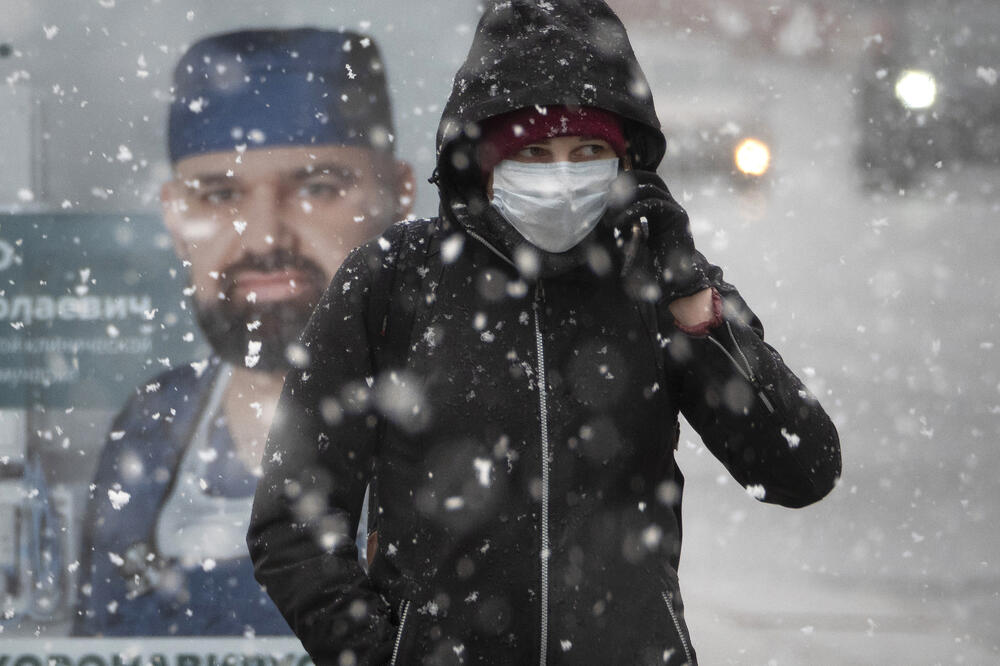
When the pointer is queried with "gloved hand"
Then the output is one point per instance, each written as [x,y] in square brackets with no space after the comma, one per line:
[643,212]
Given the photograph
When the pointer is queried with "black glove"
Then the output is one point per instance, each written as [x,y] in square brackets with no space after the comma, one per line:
[643,213]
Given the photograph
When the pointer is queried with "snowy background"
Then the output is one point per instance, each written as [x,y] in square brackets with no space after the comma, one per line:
[885,301]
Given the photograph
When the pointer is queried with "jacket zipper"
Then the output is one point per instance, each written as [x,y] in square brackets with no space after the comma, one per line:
[491,247]
[404,610]
[543,411]
[748,373]
[668,599]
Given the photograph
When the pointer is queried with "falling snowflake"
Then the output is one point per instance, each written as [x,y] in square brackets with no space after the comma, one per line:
[119,498]
[987,74]
[792,439]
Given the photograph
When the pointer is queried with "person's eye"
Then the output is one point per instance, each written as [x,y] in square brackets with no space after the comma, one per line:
[533,152]
[328,184]
[592,150]
[219,196]
[322,190]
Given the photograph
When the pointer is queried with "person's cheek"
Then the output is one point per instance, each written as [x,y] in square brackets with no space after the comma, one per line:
[209,242]
[356,215]
[323,242]
[197,230]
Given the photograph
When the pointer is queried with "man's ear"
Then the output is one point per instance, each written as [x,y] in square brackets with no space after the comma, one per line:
[406,189]
[172,209]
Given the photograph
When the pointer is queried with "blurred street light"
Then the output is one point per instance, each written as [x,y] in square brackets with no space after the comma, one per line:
[916,89]
[752,157]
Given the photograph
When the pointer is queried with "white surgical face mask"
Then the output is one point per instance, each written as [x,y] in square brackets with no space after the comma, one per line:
[553,205]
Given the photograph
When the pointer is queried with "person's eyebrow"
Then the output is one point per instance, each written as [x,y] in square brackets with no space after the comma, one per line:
[323,168]
[209,179]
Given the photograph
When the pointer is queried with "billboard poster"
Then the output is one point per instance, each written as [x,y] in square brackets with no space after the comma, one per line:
[153,652]
[97,317]
[91,307]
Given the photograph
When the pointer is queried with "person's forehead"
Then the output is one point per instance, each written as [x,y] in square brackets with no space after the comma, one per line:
[276,162]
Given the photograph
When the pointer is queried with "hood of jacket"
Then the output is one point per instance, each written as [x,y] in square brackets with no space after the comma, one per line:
[530,52]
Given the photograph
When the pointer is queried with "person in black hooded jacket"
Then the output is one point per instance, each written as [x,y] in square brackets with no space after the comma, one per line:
[514,386]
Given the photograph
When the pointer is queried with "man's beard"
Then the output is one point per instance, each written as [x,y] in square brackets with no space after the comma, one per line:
[235,326]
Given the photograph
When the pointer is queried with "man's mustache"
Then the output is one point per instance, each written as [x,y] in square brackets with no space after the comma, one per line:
[276,261]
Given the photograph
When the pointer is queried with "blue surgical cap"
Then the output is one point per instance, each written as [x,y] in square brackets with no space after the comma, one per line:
[294,87]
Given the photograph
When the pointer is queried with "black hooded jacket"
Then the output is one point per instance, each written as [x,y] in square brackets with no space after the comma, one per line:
[521,428]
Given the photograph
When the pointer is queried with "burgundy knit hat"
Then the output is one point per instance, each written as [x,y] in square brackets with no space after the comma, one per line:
[506,134]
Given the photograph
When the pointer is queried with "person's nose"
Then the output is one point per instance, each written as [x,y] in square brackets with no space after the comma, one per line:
[561,153]
[263,224]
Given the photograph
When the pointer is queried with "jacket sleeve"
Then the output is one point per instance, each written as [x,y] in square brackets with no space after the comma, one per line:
[751,411]
[308,501]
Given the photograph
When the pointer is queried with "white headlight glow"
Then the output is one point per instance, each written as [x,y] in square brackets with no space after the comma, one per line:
[752,157]
[916,89]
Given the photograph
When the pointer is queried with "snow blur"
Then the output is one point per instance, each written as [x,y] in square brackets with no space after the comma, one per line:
[878,285]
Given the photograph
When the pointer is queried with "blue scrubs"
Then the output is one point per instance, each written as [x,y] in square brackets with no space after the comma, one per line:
[124,591]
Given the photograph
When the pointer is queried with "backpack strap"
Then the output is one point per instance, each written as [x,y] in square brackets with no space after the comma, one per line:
[396,297]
